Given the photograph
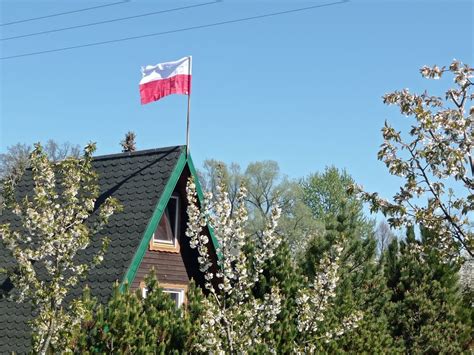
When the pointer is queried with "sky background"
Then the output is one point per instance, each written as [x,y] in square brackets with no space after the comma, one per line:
[302,88]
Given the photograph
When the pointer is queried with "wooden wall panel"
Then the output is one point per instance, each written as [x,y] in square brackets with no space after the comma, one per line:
[169,268]
[178,268]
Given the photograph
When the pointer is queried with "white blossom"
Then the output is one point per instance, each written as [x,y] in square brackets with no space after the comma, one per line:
[54,231]
[234,319]
[435,160]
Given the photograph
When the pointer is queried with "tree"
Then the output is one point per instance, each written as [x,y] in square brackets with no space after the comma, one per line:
[435,161]
[233,319]
[240,312]
[361,286]
[384,237]
[130,323]
[15,160]
[327,197]
[427,311]
[58,219]
[128,144]
[266,189]
[283,272]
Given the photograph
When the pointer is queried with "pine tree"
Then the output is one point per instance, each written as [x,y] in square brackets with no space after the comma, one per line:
[283,272]
[128,144]
[427,312]
[131,324]
[361,287]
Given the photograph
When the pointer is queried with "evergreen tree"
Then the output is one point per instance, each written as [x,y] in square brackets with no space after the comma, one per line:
[428,313]
[131,324]
[282,272]
[361,286]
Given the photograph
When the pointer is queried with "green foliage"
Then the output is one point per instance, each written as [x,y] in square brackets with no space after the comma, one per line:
[361,286]
[282,272]
[131,324]
[267,188]
[327,197]
[428,313]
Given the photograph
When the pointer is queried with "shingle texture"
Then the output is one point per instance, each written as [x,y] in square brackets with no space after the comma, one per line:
[137,180]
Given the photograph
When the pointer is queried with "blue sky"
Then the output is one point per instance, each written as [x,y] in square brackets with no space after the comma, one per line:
[303,89]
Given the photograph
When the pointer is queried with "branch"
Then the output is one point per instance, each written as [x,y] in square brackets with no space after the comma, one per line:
[457,228]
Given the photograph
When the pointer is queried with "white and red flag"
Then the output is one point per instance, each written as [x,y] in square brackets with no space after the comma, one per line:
[165,79]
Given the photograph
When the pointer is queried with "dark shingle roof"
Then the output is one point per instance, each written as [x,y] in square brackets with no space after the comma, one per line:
[137,180]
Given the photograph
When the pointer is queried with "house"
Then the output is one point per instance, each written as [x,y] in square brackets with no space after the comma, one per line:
[148,233]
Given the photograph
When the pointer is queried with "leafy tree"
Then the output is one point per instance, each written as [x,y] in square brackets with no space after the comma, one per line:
[266,189]
[327,197]
[130,324]
[214,171]
[55,226]
[428,313]
[435,161]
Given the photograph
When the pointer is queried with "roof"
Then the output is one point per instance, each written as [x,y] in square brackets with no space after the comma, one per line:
[138,180]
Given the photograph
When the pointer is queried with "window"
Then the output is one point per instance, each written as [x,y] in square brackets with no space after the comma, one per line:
[166,234]
[176,294]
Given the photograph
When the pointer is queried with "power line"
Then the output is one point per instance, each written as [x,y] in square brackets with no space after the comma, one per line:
[110,21]
[64,13]
[215,24]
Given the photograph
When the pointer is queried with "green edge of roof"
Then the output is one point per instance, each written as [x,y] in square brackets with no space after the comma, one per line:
[158,212]
[201,198]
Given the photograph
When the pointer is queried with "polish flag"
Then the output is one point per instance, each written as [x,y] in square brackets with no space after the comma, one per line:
[165,79]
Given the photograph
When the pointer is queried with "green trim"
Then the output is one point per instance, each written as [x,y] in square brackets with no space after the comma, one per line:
[154,220]
[200,194]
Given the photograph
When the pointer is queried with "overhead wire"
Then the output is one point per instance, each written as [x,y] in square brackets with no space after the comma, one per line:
[111,20]
[64,13]
[185,29]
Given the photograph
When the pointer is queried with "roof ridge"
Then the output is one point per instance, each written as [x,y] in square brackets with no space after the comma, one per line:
[139,152]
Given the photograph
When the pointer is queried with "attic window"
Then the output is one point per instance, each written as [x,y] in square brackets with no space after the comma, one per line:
[165,237]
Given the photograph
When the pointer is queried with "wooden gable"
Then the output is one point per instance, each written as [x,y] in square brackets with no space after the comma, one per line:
[173,267]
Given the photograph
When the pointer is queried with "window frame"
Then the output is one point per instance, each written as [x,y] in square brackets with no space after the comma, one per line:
[165,245]
[180,289]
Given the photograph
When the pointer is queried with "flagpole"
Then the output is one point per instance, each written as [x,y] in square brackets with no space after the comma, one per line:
[189,108]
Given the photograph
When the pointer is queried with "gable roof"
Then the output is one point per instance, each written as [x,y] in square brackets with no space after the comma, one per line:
[142,182]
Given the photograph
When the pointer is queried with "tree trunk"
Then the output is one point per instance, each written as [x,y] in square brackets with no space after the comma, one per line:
[45,346]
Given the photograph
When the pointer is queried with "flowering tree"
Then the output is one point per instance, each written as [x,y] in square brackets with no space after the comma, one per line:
[234,319]
[315,300]
[56,226]
[435,161]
